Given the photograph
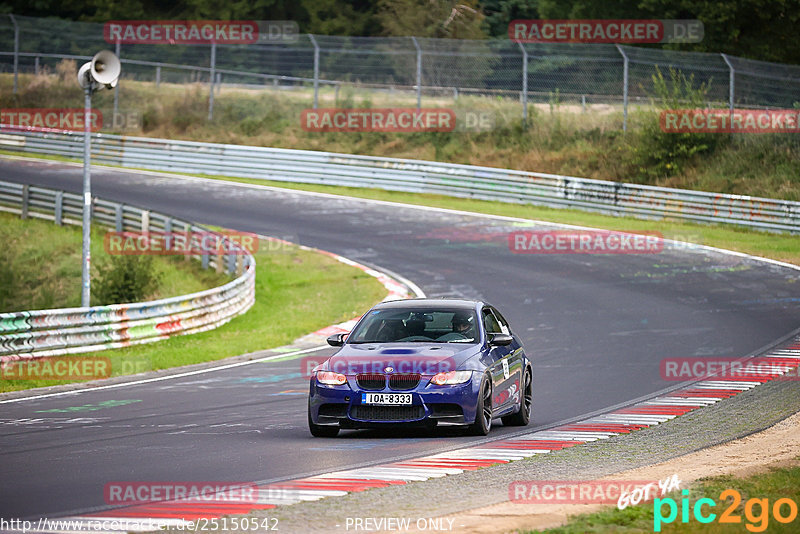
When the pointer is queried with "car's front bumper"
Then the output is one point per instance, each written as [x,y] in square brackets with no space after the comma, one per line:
[430,405]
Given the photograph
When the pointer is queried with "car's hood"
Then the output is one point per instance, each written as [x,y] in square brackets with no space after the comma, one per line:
[424,358]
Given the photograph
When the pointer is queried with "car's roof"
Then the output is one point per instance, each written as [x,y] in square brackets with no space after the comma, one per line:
[430,303]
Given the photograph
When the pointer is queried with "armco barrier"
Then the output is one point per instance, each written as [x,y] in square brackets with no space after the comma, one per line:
[33,334]
[466,181]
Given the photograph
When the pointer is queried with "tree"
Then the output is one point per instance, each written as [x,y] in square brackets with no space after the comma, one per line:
[454,19]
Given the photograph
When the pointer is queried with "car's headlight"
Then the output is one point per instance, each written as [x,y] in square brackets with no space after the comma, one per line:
[450,378]
[330,378]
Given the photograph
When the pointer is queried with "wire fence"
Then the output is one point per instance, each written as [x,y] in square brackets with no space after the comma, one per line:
[535,72]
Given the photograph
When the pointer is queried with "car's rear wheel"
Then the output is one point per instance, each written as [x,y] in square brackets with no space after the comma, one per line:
[483,412]
[321,431]
[523,416]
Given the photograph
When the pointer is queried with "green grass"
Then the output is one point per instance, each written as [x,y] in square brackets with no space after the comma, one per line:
[40,267]
[297,292]
[776,484]
[559,139]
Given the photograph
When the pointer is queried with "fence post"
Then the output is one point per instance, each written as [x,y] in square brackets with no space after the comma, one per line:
[419,72]
[116,93]
[36,65]
[316,70]
[624,89]
[16,50]
[211,80]
[58,216]
[731,82]
[524,85]
[158,76]
[118,218]
[26,193]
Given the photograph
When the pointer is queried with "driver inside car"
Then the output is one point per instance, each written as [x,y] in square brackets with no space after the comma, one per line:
[462,324]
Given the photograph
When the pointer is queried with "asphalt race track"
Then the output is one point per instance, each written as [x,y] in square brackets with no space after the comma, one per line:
[597,327]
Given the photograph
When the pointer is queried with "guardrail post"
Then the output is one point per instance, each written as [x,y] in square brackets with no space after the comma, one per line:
[211,80]
[158,76]
[624,89]
[26,192]
[58,215]
[419,72]
[16,50]
[118,220]
[145,221]
[524,85]
[204,261]
[231,263]
[116,93]
[731,82]
[316,70]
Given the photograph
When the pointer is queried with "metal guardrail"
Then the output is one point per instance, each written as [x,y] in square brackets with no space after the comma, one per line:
[485,183]
[34,334]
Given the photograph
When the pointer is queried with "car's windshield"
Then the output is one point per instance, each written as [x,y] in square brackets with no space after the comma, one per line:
[416,326]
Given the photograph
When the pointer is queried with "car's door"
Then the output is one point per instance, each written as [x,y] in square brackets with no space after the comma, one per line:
[515,358]
[500,367]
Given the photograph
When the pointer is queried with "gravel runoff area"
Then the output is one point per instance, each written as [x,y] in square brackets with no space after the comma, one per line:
[730,419]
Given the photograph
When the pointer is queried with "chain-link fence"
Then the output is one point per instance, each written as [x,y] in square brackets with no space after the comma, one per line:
[537,72]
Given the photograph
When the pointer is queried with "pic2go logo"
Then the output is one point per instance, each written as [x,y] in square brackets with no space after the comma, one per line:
[756,511]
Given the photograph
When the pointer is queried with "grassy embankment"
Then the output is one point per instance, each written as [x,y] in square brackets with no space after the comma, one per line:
[560,138]
[297,292]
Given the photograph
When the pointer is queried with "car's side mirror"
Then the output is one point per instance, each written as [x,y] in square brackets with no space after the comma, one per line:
[336,340]
[500,340]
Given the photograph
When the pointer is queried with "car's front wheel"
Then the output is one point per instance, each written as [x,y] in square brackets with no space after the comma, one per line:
[523,416]
[483,411]
[321,431]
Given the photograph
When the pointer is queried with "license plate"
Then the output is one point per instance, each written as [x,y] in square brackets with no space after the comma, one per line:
[386,398]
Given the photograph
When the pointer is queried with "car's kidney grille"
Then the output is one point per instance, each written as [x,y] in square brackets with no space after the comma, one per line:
[387,413]
[404,381]
[371,381]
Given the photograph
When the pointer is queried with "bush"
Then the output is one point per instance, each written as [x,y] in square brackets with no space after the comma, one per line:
[6,283]
[124,279]
[661,154]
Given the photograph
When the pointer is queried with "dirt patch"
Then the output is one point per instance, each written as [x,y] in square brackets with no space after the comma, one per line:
[778,446]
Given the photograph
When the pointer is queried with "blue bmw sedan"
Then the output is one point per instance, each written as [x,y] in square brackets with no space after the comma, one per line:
[425,362]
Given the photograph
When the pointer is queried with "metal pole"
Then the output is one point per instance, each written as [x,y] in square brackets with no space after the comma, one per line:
[116,95]
[158,76]
[731,82]
[316,70]
[16,51]
[624,89]
[524,85]
[87,199]
[211,80]
[419,72]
